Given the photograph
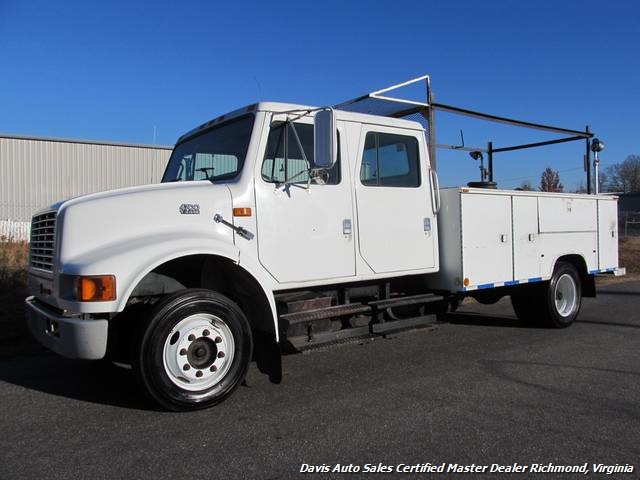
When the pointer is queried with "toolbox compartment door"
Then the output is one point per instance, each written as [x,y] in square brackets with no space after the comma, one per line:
[486,238]
[567,214]
[607,234]
[526,241]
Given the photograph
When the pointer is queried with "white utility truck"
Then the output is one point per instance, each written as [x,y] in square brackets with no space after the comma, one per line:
[282,227]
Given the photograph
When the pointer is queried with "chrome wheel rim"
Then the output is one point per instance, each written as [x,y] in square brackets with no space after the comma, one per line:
[198,352]
[566,295]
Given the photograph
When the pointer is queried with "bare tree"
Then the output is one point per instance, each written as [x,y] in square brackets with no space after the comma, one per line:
[526,186]
[625,176]
[550,181]
[581,188]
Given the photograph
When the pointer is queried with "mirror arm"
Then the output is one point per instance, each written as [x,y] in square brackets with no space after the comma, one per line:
[295,134]
[304,155]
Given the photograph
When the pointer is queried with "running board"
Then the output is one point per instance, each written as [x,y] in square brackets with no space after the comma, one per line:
[404,301]
[395,326]
[307,316]
[315,327]
[322,339]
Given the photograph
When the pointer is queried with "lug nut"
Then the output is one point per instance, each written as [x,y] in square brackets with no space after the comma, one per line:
[183,351]
[192,337]
[206,333]
[198,373]
[220,354]
[218,339]
[186,367]
[213,368]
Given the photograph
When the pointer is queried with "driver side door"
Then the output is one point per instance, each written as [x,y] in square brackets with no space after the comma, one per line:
[305,228]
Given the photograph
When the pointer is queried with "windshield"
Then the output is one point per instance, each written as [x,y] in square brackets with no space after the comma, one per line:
[215,154]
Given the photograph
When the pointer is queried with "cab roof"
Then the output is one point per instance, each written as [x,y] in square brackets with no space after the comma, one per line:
[280,107]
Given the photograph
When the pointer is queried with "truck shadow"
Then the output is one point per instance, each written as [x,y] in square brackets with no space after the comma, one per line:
[485,320]
[609,324]
[100,382]
[618,292]
[95,382]
[493,320]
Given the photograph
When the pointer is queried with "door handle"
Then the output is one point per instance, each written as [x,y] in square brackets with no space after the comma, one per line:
[427,226]
[347,229]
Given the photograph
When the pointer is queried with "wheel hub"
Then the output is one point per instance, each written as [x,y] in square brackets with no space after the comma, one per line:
[202,353]
[198,352]
[566,295]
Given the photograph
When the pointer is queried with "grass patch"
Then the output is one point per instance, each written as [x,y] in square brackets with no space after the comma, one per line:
[630,254]
[13,264]
[14,257]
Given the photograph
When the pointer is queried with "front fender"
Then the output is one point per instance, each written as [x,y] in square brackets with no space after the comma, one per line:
[131,259]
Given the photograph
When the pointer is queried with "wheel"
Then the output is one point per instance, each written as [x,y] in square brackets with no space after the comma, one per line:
[556,303]
[194,351]
[563,296]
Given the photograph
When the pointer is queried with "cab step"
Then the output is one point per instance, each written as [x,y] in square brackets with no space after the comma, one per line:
[306,316]
[385,328]
[305,328]
[406,300]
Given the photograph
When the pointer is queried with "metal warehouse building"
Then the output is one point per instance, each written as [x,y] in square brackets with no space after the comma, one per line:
[36,171]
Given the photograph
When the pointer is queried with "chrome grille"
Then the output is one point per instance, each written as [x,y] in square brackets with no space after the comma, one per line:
[43,234]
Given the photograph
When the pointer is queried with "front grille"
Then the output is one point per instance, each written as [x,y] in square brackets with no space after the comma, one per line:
[43,234]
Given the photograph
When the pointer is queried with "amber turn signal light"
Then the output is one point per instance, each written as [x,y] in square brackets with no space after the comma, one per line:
[96,288]
[242,212]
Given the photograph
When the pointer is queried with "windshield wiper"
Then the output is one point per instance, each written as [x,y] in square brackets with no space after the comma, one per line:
[205,170]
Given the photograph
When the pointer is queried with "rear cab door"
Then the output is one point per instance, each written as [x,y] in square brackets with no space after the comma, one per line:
[396,219]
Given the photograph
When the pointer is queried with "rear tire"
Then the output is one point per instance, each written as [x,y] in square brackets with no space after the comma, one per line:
[194,351]
[563,296]
[554,304]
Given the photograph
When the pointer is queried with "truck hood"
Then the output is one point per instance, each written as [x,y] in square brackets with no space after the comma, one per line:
[102,224]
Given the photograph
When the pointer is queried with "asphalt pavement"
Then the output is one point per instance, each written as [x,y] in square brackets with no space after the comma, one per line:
[479,389]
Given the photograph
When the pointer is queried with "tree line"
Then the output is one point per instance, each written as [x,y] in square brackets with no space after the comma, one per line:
[622,177]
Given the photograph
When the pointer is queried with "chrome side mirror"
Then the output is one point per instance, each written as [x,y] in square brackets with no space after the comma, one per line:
[325,141]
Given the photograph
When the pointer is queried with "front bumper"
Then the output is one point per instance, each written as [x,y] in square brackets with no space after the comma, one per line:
[67,336]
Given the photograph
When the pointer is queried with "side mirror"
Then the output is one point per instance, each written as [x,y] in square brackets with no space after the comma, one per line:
[325,142]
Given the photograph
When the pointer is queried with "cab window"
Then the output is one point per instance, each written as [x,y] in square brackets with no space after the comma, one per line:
[283,161]
[390,160]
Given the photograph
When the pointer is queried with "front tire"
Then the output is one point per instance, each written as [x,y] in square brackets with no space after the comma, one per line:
[194,351]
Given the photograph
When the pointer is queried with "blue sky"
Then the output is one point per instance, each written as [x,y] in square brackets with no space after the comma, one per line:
[114,70]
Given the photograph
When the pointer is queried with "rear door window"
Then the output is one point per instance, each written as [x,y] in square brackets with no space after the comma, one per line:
[390,160]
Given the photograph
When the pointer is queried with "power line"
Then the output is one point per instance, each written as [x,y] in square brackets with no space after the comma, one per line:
[537,175]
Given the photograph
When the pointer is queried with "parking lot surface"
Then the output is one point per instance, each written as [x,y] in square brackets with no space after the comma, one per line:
[481,388]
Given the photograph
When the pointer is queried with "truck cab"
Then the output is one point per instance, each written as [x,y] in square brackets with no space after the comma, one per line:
[276,227]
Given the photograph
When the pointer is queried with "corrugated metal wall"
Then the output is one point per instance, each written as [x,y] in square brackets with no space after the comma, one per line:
[36,172]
